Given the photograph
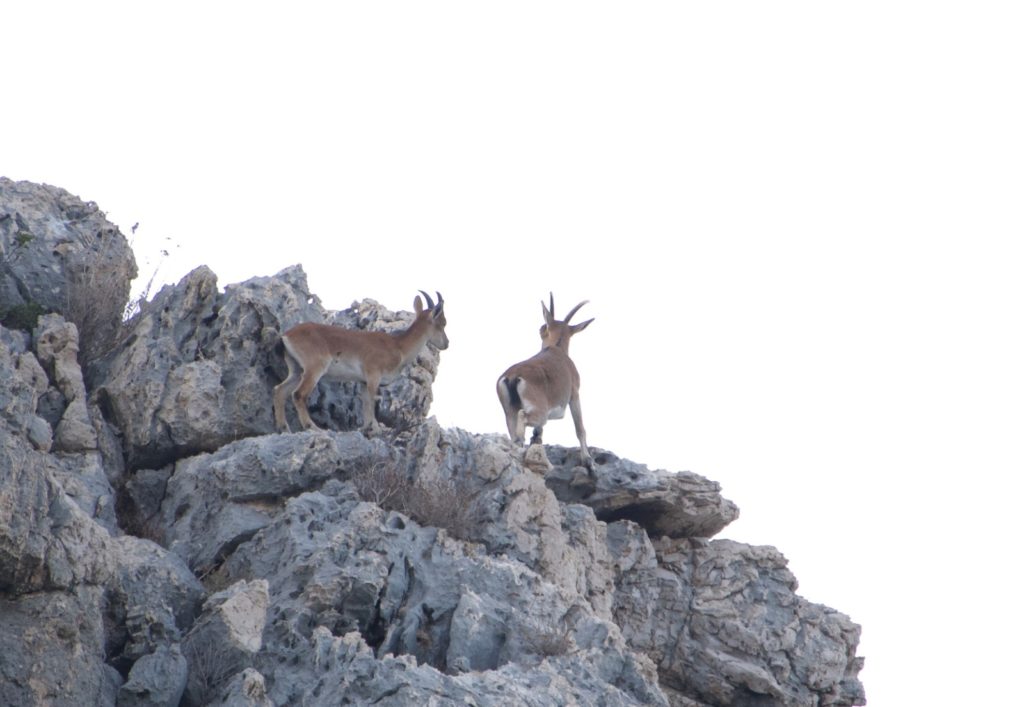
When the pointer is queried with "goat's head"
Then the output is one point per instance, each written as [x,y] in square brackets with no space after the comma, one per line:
[555,333]
[433,317]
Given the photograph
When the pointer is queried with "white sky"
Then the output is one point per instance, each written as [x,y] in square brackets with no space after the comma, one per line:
[799,226]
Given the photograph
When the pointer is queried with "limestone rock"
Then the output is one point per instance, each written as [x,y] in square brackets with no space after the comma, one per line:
[725,625]
[515,514]
[424,565]
[53,648]
[247,689]
[56,250]
[156,679]
[215,501]
[153,599]
[677,505]
[56,346]
[339,565]
[46,541]
[24,383]
[225,638]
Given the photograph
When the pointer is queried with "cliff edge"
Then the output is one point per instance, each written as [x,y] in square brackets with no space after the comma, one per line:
[162,544]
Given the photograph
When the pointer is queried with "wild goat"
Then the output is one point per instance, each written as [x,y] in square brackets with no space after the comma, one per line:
[315,351]
[539,389]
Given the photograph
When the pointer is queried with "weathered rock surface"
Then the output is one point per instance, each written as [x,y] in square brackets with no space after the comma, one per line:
[337,565]
[53,649]
[725,625]
[678,505]
[56,250]
[213,502]
[157,679]
[494,585]
[227,636]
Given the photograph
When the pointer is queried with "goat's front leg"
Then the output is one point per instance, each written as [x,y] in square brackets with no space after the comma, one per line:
[370,424]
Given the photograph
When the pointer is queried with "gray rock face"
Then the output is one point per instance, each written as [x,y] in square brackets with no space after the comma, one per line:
[199,370]
[156,679]
[56,346]
[227,636]
[152,599]
[724,624]
[342,567]
[213,502]
[53,648]
[677,505]
[57,251]
[247,689]
[423,565]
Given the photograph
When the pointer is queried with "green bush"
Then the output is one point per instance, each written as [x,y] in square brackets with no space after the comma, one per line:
[22,316]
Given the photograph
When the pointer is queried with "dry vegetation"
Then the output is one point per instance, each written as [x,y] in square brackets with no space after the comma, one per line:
[210,666]
[439,503]
[96,297]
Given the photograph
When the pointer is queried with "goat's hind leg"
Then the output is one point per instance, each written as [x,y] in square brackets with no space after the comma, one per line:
[282,391]
[301,394]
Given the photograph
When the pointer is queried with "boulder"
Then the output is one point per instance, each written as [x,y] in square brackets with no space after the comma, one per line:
[60,254]
[53,649]
[225,638]
[156,679]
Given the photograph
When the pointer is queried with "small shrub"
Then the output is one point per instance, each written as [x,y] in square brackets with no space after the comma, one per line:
[96,297]
[439,503]
[548,641]
[383,483]
[442,503]
[22,316]
[210,666]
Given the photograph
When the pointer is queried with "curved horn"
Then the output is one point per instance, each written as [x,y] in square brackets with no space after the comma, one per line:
[574,310]
[552,300]
[440,299]
[430,302]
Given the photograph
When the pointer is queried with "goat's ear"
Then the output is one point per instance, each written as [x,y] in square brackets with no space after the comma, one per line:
[417,305]
[543,330]
[439,310]
[577,328]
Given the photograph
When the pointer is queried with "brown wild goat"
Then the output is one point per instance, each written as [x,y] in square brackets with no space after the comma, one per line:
[540,388]
[315,351]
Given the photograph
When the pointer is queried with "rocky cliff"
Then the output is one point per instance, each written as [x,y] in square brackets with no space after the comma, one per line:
[160,544]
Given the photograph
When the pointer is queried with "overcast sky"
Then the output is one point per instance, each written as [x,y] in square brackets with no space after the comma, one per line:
[799,226]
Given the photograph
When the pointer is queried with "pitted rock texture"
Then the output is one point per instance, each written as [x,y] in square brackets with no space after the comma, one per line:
[56,249]
[675,504]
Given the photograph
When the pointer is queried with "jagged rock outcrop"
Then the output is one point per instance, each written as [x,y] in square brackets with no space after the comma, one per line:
[725,626]
[677,505]
[45,233]
[240,566]
[60,254]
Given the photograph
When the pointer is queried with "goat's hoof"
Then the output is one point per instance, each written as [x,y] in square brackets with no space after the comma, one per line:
[583,480]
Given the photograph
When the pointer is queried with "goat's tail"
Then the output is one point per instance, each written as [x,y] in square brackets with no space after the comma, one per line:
[512,389]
